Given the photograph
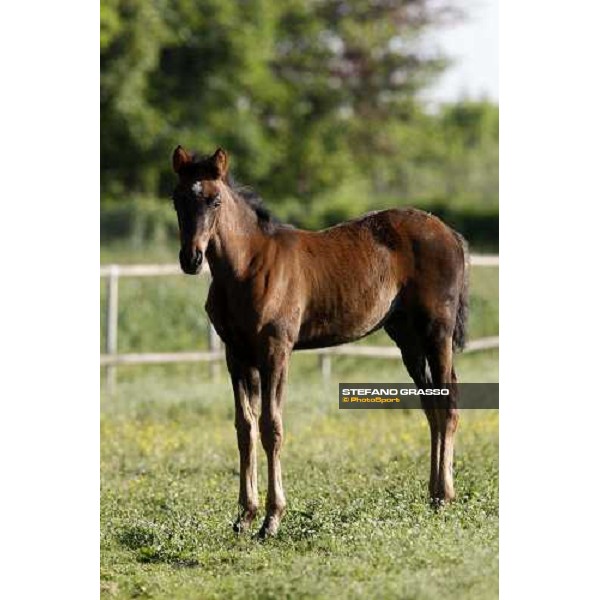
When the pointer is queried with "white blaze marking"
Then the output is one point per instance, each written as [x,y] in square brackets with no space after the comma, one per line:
[197,188]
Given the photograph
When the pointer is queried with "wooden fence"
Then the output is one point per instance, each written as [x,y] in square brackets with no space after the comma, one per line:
[111,359]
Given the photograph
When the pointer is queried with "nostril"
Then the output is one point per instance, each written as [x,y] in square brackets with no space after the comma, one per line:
[190,260]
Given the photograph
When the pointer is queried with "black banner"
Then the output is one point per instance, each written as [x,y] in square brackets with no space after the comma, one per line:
[405,395]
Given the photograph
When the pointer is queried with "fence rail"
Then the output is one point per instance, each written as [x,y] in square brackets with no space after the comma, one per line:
[106,360]
[111,359]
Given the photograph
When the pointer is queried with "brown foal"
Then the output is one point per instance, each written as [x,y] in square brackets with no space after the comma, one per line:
[276,289]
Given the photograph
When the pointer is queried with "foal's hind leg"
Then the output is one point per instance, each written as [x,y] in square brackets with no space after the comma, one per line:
[440,359]
[411,342]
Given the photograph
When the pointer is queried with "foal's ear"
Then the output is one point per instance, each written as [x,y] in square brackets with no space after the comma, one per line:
[221,161]
[180,158]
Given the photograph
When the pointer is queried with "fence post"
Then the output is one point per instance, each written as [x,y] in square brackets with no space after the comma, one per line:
[112,323]
[214,346]
[325,364]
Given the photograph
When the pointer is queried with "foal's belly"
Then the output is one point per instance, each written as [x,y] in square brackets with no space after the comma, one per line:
[344,322]
[326,340]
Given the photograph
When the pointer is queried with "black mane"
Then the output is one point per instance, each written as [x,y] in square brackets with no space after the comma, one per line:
[267,221]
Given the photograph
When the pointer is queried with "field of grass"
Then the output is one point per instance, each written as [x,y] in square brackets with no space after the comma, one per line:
[358,521]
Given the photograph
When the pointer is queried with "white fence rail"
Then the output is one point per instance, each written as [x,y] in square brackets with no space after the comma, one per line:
[111,359]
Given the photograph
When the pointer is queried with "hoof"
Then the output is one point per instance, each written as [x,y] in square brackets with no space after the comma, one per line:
[269,528]
[437,503]
[441,500]
[243,522]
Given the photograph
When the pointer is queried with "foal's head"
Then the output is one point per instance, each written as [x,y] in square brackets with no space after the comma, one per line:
[197,199]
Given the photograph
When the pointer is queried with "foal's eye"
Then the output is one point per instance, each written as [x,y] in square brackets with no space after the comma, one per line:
[213,200]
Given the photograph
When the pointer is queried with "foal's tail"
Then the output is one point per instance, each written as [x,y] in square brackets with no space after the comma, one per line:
[459,335]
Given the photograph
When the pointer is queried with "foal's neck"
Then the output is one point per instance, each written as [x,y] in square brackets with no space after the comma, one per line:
[238,238]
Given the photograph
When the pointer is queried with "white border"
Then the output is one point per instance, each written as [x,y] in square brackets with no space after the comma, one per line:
[549,114]
[49,236]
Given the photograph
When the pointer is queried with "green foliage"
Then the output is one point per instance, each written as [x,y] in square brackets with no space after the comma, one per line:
[163,314]
[145,229]
[358,523]
[307,97]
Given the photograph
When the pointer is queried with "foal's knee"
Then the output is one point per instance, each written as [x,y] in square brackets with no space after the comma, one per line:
[246,429]
[271,432]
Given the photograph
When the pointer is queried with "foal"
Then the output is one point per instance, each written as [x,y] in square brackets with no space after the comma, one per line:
[276,289]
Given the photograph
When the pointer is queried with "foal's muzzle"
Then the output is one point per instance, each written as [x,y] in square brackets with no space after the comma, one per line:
[191,264]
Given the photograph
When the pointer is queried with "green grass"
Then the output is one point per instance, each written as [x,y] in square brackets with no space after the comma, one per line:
[358,522]
[125,252]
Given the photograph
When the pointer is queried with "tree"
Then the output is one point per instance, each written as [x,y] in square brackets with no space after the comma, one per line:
[304,93]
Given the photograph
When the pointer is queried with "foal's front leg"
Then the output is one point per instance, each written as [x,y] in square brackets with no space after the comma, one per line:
[246,389]
[273,380]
